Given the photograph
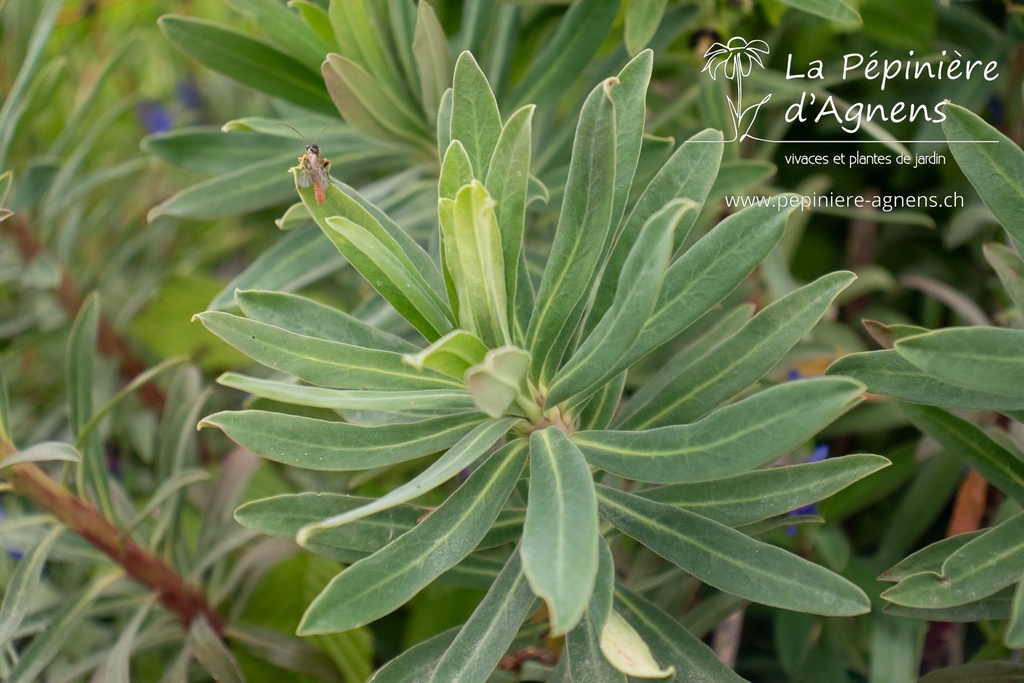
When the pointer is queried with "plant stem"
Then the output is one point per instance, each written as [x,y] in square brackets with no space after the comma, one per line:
[32,483]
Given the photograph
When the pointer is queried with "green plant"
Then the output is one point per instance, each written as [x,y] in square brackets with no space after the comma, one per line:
[510,376]
[971,576]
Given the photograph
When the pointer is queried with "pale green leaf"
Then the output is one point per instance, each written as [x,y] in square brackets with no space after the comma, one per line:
[248,61]
[559,545]
[81,351]
[451,400]
[499,380]
[22,584]
[508,181]
[363,37]
[576,40]
[286,30]
[451,355]
[642,275]
[383,582]
[321,445]
[978,672]
[168,487]
[484,638]
[296,260]
[889,373]
[984,565]
[986,359]
[602,406]
[1010,269]
[626,650]
[212,653]
[456,171]
[321,362]
[43,452]
[731,440]
[730,560]
[754,496]
[476,121]
[991,161]
[50,643]
[642,20]
[1013,637]
[630,99]
[930,558]
[313,319]
[460,456]
[416,664]
[671,643]
[583,658]
[117,668]
[999,466]
[583,227]
[433,62]
[744,358]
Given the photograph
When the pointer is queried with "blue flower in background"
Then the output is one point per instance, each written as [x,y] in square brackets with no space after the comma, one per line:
[819,454]
[154,117]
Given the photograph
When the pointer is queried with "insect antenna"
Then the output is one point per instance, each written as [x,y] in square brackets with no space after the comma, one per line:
[281,123]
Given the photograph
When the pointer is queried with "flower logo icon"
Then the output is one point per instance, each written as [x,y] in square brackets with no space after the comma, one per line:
[735,60]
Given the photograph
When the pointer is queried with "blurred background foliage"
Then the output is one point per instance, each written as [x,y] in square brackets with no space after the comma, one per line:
[146,168]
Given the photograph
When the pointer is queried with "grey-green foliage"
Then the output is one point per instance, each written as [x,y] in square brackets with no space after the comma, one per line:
[966,368]
[530,382]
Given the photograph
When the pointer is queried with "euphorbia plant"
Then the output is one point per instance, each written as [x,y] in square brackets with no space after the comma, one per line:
[509,382]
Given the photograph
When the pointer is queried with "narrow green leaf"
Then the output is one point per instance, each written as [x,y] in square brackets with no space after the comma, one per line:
[671,643]
[81,350]
[286,30]
[475,261]
[451,355]
[706,273]
[744,358]
[731,440]
[476,121]
[460,456]
[248,61]
[392,277]
[499,380]
[930,558]
[321,362]
[642,20]
[168,487]
[294,261]
[5,413]
[363,37]
[339,446]
[43,452]
[313,319]
[986,359]
[342,201]
[22,585]
[991,161]
[370,106]
[583,227]
[978,672]
[245,189]
[576,40]
[484,638]
[888,335]
[508,181]
[49,644]
[889,373]
[730,560]
[630,98]
[418,662]
[212,653]
[999,467]
[14,100]
[456,171]
[1010,269]
[754,496]
[833,10]
[688,174]
[583,658]
[601,408]
[981,567]
[383,582]
[642,275]
[433,62]
[559,547]
[1013,637]
[996,606]
[444,123]
[452,400]
[117,668]
[728,325]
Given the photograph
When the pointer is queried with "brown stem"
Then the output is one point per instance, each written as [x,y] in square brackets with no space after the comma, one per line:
[30,482]
[109,342]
